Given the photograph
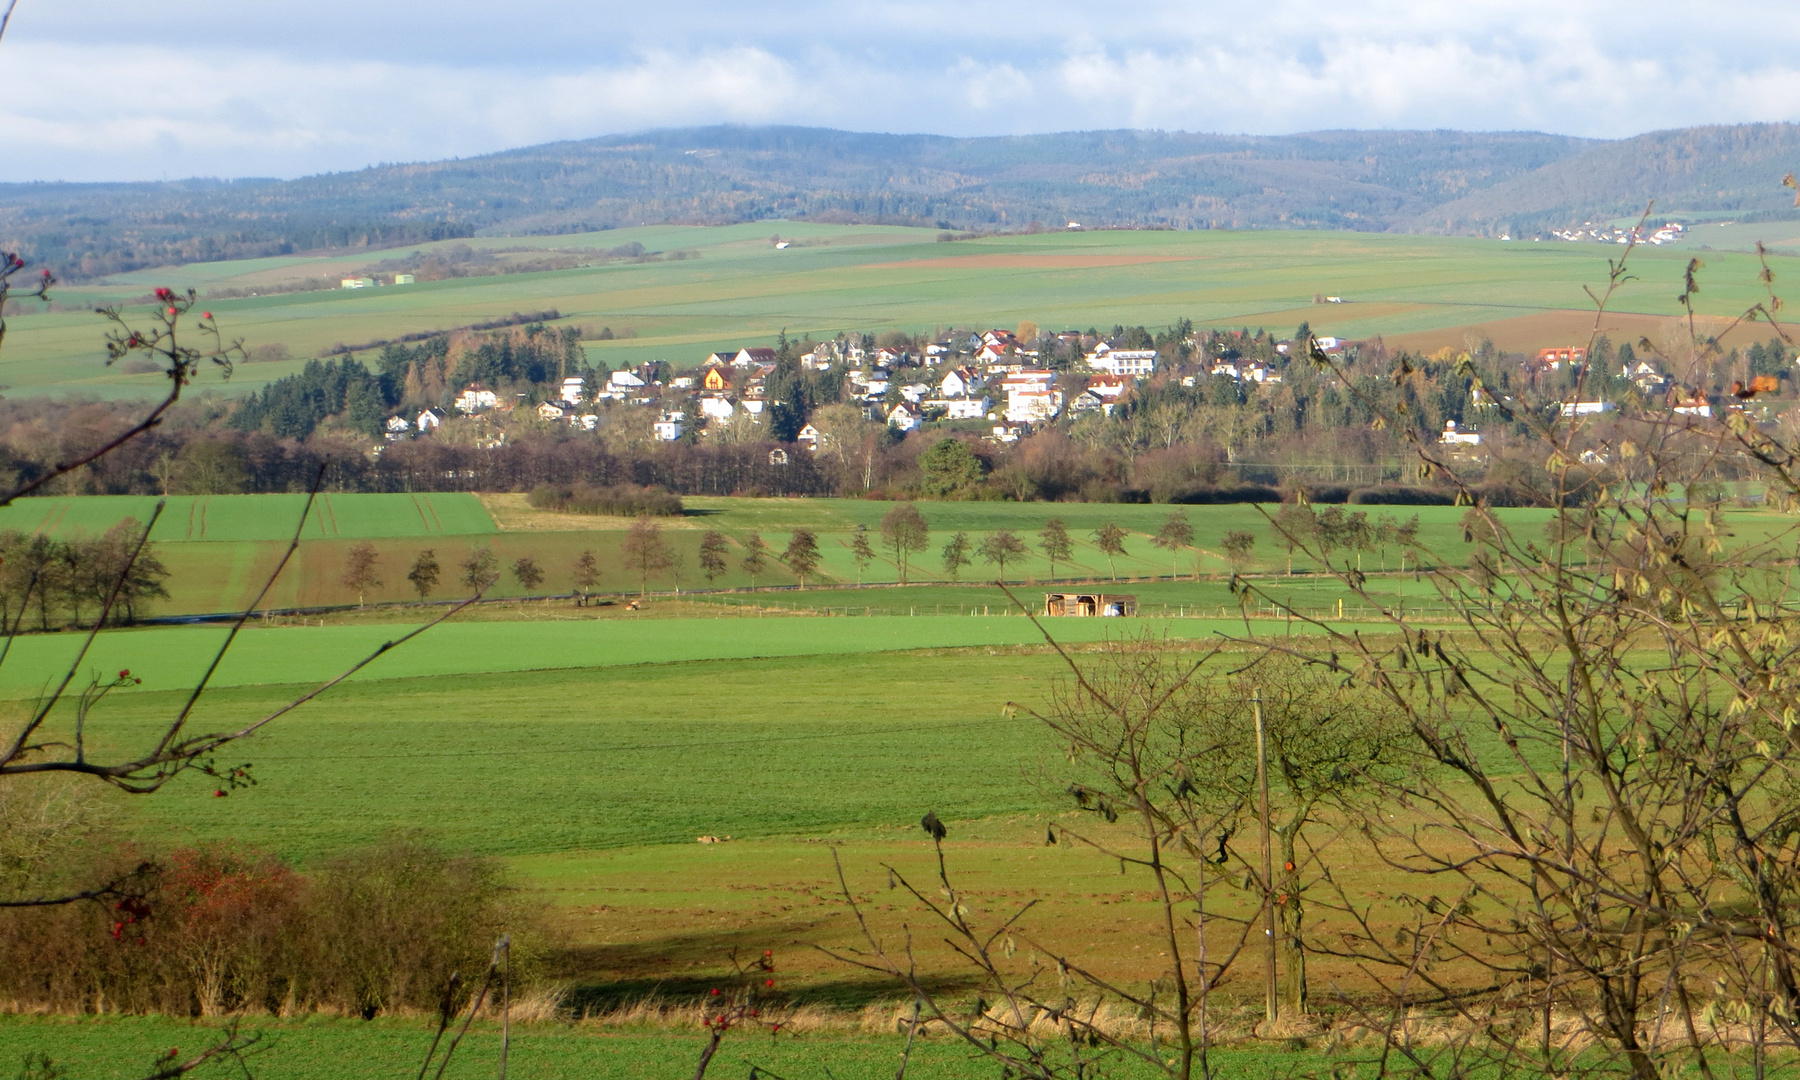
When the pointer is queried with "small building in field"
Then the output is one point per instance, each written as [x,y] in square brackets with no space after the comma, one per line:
[1090,604]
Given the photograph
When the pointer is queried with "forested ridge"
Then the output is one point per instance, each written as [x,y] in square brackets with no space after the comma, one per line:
[1484,183]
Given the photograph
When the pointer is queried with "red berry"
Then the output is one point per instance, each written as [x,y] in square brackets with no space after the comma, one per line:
[220,794]
[206,314]
[768,982]
[124,673]
[171,311]
[715,991]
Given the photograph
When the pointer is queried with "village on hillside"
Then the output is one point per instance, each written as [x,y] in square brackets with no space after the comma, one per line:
[994,384]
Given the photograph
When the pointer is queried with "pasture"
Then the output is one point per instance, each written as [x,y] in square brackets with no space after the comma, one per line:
[340,1049]
[254,518]
[589,748]
[742,290]
[221,549]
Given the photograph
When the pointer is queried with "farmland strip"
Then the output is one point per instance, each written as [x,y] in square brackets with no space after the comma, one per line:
[629,748]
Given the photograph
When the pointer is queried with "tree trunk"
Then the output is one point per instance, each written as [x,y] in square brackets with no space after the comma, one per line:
[1288,918]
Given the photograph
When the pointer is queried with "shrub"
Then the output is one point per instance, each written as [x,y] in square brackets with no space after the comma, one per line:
[1399,495]
[621,500]
[223,930]
[1203,496]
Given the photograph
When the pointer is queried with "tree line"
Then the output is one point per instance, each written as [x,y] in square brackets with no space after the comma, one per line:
[50,583]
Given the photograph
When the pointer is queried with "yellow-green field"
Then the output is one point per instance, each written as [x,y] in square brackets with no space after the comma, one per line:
[741,289]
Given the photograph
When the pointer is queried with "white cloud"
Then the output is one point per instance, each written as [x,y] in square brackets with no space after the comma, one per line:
[247,89]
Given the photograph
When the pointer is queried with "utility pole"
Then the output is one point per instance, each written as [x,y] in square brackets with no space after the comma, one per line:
[1268,866]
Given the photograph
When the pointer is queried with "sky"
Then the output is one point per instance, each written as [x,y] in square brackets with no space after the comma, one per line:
[110,90]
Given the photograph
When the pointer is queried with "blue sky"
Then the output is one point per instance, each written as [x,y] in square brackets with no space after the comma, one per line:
[103,89]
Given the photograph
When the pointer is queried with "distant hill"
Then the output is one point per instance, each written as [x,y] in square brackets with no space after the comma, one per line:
[1735,168]
[1435,181]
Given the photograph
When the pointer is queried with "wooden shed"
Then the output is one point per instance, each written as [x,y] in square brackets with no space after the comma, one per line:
[1097,604]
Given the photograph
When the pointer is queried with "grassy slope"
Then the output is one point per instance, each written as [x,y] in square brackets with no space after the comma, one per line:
[334,1049]
[173,657]
[855,278]
[236,518]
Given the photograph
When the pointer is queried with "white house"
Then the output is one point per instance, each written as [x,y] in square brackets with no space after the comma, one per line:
[1587,408]
[963,408]
[671,427]
[1453,437]
[553,410]
[476,398]
[915,392]
[958,382]
[903,416]
[1032,404]
[357,283]
[573,388]
[1133,362]
[1108,387]
[808,437]
[1088,401]
[753,357]
[623,380]
[717,408]
[428,420]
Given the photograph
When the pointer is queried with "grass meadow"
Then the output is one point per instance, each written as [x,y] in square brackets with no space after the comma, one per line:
[221,549]
[741,290]
[341,1049]
[588,749]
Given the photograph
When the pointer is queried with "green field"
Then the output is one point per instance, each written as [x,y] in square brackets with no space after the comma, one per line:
[742,290]
[328,1050]
[589,748]
[220,549]
[171,657]
[250,518]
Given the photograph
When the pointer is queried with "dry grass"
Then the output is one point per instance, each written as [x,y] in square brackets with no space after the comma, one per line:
[513,512]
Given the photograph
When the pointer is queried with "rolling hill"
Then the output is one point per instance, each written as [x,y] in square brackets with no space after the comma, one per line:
[1408,181]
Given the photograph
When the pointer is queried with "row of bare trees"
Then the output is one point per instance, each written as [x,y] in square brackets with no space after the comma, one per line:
[51,582]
